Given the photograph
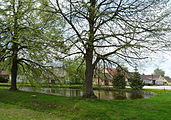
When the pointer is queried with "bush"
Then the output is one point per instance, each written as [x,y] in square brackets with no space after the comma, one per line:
[135,81]
[119,81]
[3,80]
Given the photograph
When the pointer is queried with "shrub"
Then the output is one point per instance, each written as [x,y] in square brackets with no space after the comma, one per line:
[3,80]
[135,81]
[119,81]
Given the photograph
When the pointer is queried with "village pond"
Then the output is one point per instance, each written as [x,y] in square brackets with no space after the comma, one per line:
[101,94]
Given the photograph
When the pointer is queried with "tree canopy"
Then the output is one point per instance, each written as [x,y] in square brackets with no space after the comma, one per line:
[158,71]
[111,31]
[29,37]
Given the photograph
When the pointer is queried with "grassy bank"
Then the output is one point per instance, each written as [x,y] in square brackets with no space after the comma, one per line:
[34,106]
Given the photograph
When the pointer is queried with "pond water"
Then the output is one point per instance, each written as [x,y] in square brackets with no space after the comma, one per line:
[101,94]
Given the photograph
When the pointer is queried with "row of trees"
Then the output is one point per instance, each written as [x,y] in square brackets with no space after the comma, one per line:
[34,32]
[134,80]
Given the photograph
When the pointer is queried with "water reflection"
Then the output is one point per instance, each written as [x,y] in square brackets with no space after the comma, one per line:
[121,95]
[101,94]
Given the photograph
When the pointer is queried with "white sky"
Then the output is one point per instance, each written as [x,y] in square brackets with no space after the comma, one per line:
[160,60]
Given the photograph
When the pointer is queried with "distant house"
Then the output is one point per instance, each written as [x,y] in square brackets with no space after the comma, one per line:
[58,77]
[4,74]
[167,80]
[60,72]
[153,79]
[105,76]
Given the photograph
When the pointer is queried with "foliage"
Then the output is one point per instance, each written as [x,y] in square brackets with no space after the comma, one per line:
[119,80]
[158,71]
[3,80]
[30,37]
[75,71]
[135,81]
[122,68]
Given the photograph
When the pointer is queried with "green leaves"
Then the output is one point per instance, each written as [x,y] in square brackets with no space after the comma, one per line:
[135,81]
[75,71]
[33,33]
[158,71]
[119,80]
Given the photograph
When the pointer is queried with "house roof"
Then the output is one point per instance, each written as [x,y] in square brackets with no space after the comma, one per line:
[151,77]
[168,79]
[112,71]
[145,78]
[108,73]
[3,73]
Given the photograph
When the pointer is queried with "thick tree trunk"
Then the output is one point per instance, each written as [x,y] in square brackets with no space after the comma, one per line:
[14,67]
[14,70]
[88,84]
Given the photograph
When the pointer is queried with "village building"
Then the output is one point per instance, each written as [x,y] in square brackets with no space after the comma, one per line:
[153,79]
[167,80]
[104,77]
[4,74]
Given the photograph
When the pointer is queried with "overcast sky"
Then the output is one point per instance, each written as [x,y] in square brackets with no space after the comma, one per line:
[160,60]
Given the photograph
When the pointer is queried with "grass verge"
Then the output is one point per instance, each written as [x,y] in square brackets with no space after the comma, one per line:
[35,106]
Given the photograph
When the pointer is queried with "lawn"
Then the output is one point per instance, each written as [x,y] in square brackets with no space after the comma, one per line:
[34,106]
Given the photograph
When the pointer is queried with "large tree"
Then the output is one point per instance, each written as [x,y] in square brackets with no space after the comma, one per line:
[29,37]
[158,71]
[111,30]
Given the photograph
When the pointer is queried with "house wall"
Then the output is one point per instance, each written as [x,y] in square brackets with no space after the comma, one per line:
[154,80]
[160,81]
[148,81]
[98,81]
[4,74]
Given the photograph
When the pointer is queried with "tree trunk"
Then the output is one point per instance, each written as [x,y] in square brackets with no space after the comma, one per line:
[14,70]
[14,67]
[88,83]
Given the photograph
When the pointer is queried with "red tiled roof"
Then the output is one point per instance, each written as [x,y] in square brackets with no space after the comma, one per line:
[112,71]
[151,76]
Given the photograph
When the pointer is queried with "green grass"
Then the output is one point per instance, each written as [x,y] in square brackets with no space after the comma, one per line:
[24,106]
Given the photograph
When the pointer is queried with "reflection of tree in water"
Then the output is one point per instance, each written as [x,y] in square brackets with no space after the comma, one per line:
[106,93]
[74,92]
[65,91]
[78,92]
[119,95]
[135,95]
[101,94]
[53,90]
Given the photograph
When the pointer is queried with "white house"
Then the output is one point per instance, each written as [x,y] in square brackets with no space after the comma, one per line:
[153,79]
